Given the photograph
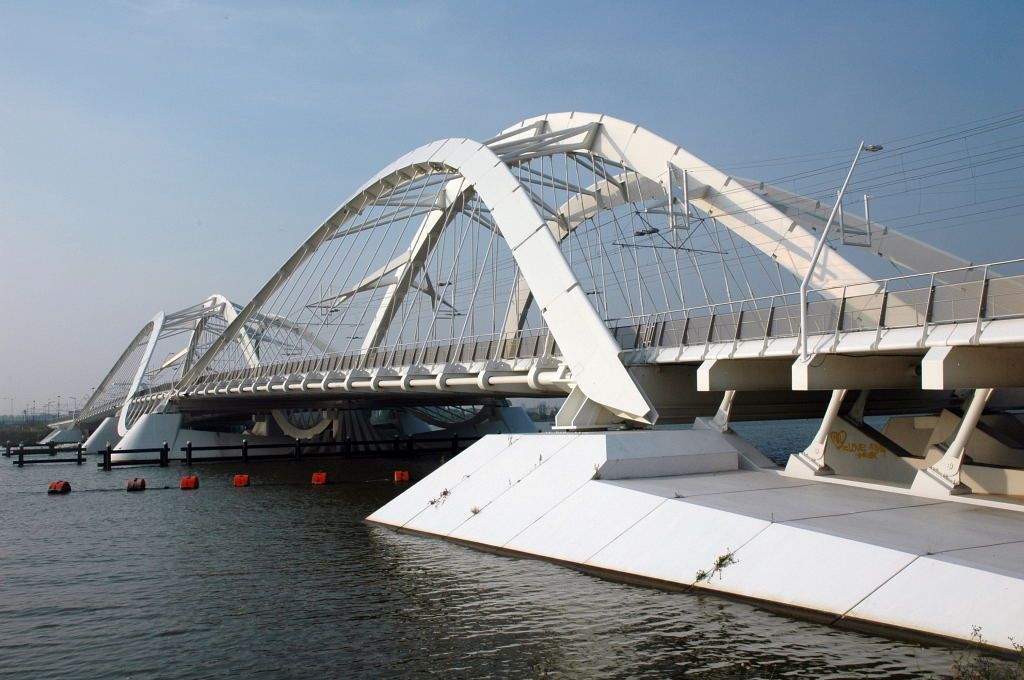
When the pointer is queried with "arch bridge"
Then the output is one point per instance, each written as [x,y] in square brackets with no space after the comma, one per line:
[580,256]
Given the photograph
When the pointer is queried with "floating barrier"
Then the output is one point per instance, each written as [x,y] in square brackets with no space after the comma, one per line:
[136,484]
[191,482]
[319,478]
[59,487]
[401,475]
[241,480]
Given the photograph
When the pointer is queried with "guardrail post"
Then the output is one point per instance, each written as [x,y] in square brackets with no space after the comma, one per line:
[928,306]
[348,446]
[245,450]
[79,461]
[188,453]
[395,444]
[7,444]
[164,454]
[106,458]
[408,443]
[21,455]
[455,443]
[298,450]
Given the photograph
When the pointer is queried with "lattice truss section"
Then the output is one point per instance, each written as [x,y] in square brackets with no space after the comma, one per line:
[160,354]
[419,267]
[114,388]
[641,251]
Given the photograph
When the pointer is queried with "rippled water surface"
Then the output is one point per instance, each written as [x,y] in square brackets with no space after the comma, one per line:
[286,580]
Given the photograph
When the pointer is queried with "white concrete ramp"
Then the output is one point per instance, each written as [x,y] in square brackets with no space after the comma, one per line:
[673,509]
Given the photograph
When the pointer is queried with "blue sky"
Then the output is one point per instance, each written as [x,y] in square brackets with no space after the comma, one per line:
[152,153]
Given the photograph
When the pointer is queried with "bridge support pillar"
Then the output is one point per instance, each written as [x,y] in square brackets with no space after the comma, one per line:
[947,368]
[835,372]
[579,412]
[943,478]
[811,461]
[720,423]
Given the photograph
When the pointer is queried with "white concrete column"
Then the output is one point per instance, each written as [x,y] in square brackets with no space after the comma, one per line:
[811,462]
[943,478]
[721,419]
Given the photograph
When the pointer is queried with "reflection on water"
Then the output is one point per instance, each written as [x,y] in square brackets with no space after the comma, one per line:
[282,579]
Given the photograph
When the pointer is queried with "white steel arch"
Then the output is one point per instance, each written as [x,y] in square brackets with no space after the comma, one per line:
[589,349]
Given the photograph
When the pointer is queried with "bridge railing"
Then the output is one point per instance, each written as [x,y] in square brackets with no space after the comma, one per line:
[964,295]
[528,343]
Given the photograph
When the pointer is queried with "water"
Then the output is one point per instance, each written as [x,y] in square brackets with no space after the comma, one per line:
[283,579]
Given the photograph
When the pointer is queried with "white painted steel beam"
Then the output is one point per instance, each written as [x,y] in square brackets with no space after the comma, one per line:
[717,375]
[946,368]
[840,372]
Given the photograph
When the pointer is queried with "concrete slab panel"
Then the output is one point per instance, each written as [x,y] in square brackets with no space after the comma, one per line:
[719,482]
[945,597]
[808,569]
[801,502]
[585,522]
[675,541]
[481,487]
[925,529]
[407,505]
[528,500]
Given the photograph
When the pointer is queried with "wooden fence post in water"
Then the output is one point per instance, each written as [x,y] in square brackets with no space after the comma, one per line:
[21,455]
[106,458]
[245,450]
[298,449]
[188,453]
[79,461]
[164,454]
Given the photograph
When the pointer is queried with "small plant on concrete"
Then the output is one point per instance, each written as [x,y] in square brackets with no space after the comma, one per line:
[721,562]
[475,509]
[597,471]
[677,495]
[970,664]
[441,498]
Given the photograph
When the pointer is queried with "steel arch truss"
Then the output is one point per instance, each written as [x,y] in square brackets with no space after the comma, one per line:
[515,255]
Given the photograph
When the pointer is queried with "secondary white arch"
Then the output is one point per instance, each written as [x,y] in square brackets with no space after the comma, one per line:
[157,325]
[748,215]
[587,346]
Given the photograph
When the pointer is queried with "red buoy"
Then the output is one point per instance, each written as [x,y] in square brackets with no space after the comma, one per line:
[136,484]
[59,487]
[401,475]
[241,480]
[319,478]
[190,482]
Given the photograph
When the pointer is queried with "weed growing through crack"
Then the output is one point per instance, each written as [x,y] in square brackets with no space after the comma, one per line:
[721,562]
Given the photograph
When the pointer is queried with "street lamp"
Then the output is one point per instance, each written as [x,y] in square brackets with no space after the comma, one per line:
[822,238]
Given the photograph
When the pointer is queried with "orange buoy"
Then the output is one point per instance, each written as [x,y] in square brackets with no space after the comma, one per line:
[241,480]
[136,484]
[59,487]
[319,478]
[401,475]
[190,482]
